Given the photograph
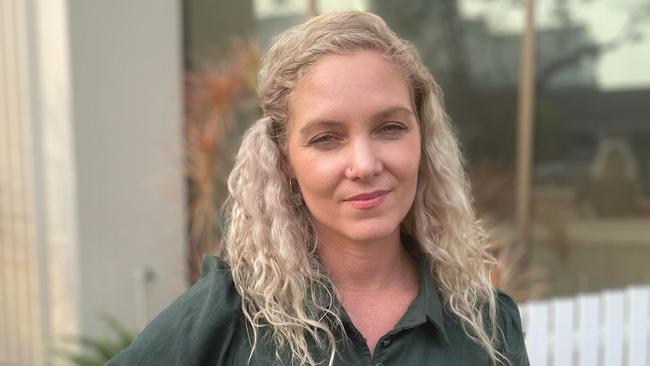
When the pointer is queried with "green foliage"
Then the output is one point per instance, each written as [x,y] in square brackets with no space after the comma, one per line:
[91,351]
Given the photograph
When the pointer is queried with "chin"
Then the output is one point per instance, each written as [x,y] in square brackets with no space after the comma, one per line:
[368,232]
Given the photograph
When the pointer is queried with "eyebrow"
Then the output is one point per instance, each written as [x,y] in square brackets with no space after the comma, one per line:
[377,115]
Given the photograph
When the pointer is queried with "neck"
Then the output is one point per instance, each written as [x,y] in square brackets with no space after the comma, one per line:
[374,265]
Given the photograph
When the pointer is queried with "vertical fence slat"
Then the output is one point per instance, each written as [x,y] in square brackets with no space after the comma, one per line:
[647,330]
[562,349]
[607,329]
[613,335]
[536,330]
[637,325]
[589,328]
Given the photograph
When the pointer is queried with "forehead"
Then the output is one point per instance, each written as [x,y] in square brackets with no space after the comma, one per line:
[348,87]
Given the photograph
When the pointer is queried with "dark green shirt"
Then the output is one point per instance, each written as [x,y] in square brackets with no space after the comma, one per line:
[205,326]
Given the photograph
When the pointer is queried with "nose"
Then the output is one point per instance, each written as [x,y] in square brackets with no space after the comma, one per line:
[363,162]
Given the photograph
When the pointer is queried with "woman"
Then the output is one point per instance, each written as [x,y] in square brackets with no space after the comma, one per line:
[350,235]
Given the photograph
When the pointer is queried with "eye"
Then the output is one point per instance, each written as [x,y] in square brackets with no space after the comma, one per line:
[392,128]
[323,139]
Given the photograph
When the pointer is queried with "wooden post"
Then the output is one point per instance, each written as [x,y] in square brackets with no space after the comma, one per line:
[525,125]
[312,8]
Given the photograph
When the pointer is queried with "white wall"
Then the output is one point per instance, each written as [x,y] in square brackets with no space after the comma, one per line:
[126,82]
[105,106]
[19,312]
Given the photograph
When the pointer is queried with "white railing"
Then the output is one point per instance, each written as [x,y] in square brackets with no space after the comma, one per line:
[607,329]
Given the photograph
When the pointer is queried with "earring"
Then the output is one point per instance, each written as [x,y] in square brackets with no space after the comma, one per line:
[296,196]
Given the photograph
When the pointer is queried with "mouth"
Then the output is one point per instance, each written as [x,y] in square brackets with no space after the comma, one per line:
[368,200]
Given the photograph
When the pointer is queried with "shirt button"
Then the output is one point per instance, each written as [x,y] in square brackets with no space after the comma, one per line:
[385,343]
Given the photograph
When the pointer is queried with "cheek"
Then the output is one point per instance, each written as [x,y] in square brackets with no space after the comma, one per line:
[406,159]
[318,176]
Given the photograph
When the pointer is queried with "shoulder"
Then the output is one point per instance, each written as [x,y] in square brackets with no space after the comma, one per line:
[192,324]
[507,308]
[509,320]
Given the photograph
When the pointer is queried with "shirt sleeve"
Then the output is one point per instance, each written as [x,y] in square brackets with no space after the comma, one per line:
[201,321]
[514,347]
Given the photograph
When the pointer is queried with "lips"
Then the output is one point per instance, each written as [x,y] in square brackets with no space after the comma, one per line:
[368,200]
[367,196]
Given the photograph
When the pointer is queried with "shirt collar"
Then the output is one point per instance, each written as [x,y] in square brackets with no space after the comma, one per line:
[429,298]
[427,306]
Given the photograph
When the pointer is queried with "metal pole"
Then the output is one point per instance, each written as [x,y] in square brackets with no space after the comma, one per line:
[525,123]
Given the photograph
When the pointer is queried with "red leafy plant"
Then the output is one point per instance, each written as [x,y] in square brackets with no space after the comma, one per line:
[220,104]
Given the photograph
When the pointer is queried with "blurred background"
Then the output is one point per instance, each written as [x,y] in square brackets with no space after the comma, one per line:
[119,121]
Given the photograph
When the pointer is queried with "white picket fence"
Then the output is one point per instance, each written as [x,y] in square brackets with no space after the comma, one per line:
[607,329]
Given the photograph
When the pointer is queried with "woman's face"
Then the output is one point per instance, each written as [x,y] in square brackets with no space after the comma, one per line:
[354,146]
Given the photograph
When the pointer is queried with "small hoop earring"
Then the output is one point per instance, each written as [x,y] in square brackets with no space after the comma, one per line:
[296,196]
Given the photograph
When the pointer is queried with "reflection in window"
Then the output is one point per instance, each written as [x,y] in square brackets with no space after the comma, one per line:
[591,170]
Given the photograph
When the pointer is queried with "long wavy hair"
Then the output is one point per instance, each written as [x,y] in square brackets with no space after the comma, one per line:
[270,242]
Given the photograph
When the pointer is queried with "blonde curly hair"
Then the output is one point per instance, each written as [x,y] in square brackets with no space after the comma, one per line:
[270,239]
